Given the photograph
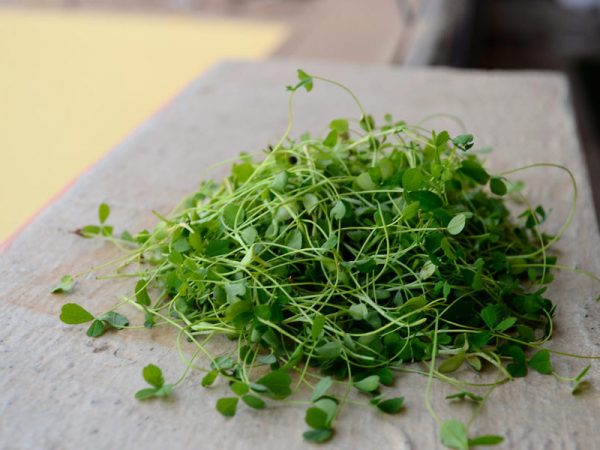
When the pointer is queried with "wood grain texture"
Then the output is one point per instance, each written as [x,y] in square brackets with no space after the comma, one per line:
[62,390]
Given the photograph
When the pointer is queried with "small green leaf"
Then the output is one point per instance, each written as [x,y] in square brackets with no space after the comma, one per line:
[328,405]
[486,439]
[280,181]
[505,324]
[154,392]
[427,270]
[366,265]
[146,393]
[217,247]
[339,125]
[235,291]
[330,350]
[413,179]
[321,388]
[518,367]
[164,390]
[114,319]
[149,321]
[465,394]
[294,240]
[386,167]
[367,123]
[103,212]
[318,435]
[239,313]
[410,210]
[310,202]
[278,383]
[331,139]
[497,186]
[267,359]
[339,210]
[73,314]
[97,328]
[391,405]
[330,243]
[306,80]
[489,316]
[209,378]
[253,401]
[233,215]
[428,201]
[474,362]
[141,293]
[358,311]
[365,182]
[463,141]
[456,224]
[452,363]
[316,418]
[441,138]
[241,172]
[223,363]
[153,375]
[386,376]
[453,434]
[526,333]
[240,388]
[89,231]
[227,406]
[368,384]
[317,326]
[473,170]
[446,289]
[249,235]
[541,362]
[65,285]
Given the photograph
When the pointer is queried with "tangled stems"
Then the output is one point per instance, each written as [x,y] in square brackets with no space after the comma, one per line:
[341,260]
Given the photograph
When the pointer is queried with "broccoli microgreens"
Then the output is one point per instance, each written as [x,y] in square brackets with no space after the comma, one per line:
[332,263]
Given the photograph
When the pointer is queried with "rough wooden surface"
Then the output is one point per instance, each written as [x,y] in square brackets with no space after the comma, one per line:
[62,390]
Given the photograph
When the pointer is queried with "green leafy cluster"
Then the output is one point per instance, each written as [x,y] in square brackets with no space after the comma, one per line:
[332,263]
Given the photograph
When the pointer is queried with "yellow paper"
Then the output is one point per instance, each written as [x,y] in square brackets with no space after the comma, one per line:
[72,85]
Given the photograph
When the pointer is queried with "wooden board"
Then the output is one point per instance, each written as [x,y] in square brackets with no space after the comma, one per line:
[62,390]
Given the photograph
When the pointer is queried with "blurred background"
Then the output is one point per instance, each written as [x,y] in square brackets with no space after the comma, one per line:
[77,76]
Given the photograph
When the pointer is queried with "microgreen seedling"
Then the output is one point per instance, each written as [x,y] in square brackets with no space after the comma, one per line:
[333,262]
[73,314]
[154,377]
[65,285]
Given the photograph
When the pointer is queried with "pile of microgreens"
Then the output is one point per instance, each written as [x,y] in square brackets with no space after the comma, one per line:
[333,263]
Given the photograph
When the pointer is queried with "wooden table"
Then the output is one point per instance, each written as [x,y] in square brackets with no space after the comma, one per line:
[63,390]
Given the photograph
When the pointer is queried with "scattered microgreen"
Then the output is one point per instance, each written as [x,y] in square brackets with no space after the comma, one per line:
[153,376]
[347,256]
[65,285]
[89,231]
[73,314]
